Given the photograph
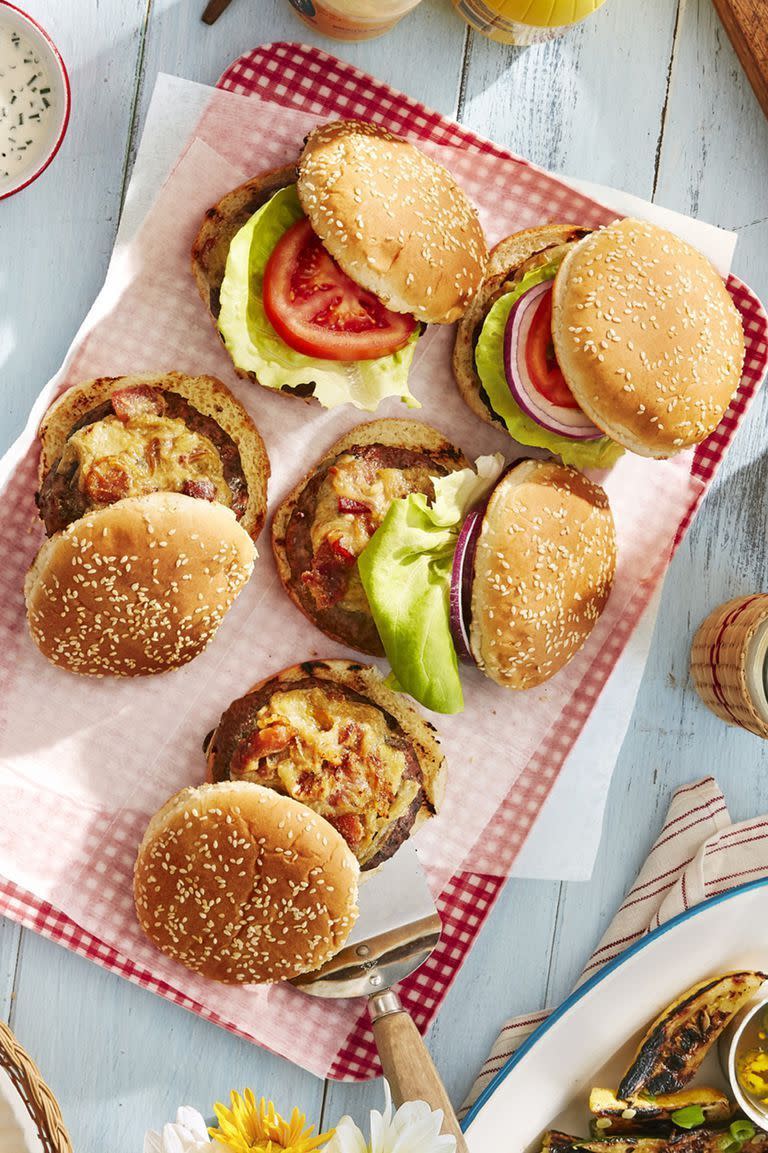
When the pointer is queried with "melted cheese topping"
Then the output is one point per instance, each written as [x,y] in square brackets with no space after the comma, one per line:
[333,755]
[352,479]
[148,453]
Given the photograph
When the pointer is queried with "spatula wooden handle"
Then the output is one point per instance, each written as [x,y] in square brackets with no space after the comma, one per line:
[407,1065]
[214,9]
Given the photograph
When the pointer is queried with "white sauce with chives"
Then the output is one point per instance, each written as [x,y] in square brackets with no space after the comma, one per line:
[26,105]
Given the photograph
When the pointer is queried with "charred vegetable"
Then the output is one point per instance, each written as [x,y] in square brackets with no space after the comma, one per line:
[557,1142]
[679,1039]
[714,1141]
[614,1115]
[696,1141]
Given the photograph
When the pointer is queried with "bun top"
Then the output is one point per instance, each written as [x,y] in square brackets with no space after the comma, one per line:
[544,567]
[647,337]
[243,885]
[137,587]
[395,221]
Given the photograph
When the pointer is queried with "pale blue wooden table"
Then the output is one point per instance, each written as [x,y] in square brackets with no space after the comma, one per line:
[646,96]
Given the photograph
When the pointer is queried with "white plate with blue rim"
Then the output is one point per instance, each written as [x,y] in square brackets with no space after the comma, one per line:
[590,1040]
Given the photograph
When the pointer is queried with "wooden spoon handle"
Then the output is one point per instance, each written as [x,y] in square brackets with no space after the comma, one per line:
[407,1065]
[214,9]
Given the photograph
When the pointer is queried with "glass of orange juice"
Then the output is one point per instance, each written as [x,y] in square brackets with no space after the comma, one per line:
[352,19]
[524,21]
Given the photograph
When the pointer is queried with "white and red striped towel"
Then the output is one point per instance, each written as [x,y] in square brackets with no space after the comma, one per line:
[698,854]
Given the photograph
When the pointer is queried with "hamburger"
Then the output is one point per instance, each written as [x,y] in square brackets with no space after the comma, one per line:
[509,570]
[331,735]
[589,343]
[319,276]
[152,490]
[244,885]
[321,528]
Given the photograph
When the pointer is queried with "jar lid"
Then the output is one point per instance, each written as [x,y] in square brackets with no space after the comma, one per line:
[547,13]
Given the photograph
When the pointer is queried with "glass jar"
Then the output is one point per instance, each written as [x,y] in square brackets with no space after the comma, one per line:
[524,21]
[352,19]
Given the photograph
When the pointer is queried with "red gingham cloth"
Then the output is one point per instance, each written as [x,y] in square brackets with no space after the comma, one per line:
[308,80]
[698,854]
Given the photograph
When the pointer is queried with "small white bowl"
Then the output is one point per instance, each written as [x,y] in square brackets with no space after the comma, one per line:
[50,131]
[739,1037]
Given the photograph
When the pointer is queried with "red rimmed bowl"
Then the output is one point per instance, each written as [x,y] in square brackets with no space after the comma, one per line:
[35,99]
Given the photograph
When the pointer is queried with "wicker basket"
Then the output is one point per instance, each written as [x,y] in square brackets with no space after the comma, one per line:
[38,1099]
[720,658]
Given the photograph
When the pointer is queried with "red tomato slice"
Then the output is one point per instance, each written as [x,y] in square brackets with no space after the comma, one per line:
[540,359]
[318,310]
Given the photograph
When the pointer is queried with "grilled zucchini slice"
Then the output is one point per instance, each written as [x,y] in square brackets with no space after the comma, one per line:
[680,1037]
[556,1142]
[653,1115]
[680,1141]
[711,1141]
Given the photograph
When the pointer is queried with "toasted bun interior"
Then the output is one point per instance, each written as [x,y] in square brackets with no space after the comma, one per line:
[544,567]
[242,885]
[397,222]
[647,337]
[137,587]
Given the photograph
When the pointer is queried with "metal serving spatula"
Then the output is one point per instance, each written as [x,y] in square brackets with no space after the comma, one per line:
[396,931]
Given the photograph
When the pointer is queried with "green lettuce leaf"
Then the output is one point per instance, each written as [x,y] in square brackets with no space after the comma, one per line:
[489,361]
[406,573]
[254,345]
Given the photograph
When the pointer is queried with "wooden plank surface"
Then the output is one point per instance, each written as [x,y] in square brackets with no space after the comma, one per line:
[746,24]
[56,237]
[649,97]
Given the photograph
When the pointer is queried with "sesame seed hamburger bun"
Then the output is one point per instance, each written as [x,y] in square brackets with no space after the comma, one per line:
[644,335]
[137,587]
[543,571]
[125,436]
[331,734]
[647,337]
[395,221]
[368,467]
[510,260]
[243,885]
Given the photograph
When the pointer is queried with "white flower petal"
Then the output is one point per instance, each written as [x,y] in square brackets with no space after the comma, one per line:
[417,1128]
[187,1134]
[414,1113]
[414,1128]
[193,1122]
[172,1142]
[380,1133]
[152,1142]
[346,1139]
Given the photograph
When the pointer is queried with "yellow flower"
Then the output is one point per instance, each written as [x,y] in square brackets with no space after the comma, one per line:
[251,1128]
